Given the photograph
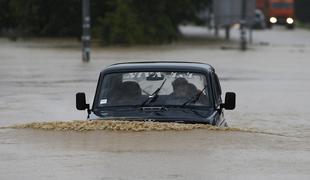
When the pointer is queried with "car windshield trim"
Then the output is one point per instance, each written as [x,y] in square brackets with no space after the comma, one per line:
[107,72]
[164,106]
[159,119]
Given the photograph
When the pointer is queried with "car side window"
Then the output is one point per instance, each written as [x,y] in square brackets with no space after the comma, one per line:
[217,89]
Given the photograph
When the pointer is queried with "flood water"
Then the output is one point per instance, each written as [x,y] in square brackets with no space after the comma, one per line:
[39,79]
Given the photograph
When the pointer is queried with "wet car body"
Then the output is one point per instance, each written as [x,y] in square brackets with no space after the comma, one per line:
[161,111]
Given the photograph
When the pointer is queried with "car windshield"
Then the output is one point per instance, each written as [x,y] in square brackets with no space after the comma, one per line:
[154,89]
[282,5]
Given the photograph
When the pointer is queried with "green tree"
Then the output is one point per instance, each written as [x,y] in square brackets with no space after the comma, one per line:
[46,18]
[5,21]
[113,21]
[302,10]
[144,22]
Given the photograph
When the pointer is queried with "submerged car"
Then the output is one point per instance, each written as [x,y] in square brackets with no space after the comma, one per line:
[183,92]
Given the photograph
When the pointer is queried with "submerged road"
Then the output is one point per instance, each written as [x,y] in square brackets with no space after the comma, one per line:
[39,79]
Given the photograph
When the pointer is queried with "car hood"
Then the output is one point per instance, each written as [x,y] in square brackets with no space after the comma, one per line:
[186,115]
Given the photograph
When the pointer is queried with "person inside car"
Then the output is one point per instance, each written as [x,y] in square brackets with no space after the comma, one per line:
[179,86]
[191,90]
[130,93]
[182,91]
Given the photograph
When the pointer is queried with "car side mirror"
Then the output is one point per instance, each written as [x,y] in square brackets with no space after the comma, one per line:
[81,101]
[230,101]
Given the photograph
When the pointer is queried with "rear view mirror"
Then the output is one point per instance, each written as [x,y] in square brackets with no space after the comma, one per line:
[230,101]
[81,101]
[155,76]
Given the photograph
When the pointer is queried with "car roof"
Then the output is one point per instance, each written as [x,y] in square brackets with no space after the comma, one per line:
[159,66]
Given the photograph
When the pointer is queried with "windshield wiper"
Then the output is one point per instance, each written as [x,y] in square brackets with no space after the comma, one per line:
[153,96]
[195,98]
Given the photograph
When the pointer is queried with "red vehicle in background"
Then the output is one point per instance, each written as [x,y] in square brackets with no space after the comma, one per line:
[278,12]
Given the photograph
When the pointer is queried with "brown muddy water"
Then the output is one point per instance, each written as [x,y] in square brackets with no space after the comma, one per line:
[271,125]
[123,125]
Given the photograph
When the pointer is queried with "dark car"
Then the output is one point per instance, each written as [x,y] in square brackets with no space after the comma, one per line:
[184,92]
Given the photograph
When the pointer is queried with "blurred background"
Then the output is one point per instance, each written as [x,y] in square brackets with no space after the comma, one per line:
[133,21]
